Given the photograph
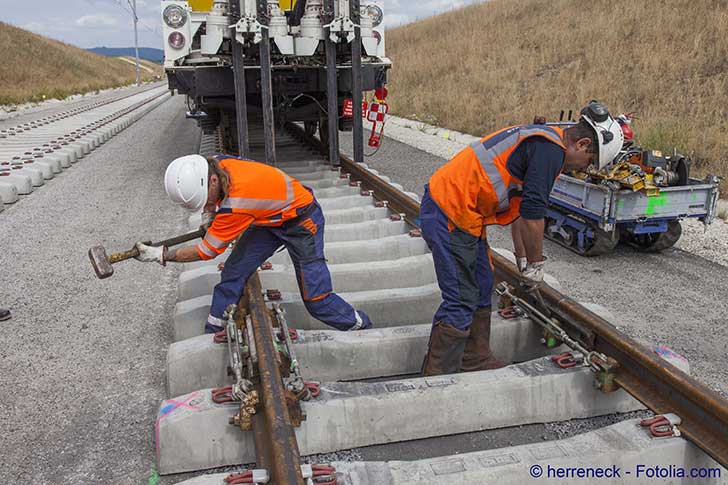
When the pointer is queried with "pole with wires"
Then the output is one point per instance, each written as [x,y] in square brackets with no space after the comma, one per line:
[136,40]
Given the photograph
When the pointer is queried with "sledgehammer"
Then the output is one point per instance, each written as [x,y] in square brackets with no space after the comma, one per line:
[102,263]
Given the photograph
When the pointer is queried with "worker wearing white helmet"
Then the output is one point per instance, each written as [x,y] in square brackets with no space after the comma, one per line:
[263,208]
[503,179]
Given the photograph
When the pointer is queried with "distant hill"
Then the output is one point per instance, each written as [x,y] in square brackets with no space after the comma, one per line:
[148,53]
[35,67]
[483,67]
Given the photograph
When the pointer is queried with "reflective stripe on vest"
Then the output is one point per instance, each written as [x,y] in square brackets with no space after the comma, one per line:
[214,241]
[262,204]
[487,153]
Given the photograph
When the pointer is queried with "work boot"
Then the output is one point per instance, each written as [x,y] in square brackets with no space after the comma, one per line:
[4,314]
[445,350]
[477,355]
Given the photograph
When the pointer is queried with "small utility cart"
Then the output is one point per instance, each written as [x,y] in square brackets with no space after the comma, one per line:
[639,200]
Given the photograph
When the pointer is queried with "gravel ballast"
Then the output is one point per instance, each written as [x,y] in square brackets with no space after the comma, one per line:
[83,359]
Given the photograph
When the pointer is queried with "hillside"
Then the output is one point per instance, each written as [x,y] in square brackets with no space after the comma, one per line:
[34,66]
[489,65]
[147,53]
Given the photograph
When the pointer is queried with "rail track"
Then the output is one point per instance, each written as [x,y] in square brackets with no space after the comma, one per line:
[316,390]
[36,151]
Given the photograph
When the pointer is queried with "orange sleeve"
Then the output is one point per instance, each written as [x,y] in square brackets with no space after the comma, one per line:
[226,227]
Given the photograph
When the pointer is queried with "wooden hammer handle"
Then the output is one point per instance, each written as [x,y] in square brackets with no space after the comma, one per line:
[134,252]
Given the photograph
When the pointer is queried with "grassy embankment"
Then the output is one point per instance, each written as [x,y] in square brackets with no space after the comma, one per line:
[34,66]
[490,65]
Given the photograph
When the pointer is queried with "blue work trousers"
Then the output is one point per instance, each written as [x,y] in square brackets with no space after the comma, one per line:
[462,265]
[303,237]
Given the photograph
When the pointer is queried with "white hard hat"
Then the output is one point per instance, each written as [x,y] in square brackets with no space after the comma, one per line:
[186,181]
[610,136]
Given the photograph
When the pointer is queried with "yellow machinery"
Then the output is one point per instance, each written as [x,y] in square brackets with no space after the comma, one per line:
[206,5]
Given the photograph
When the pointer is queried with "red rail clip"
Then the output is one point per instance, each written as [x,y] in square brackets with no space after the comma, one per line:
[509,313]
[354,183]
[266,266]
[273,295]
[324,475]
[565,360]
[220,337]
[313,388]
[381,203]
[366,193]
[415,233]
[222,395]
[239,478]
[663,425]
[395,217]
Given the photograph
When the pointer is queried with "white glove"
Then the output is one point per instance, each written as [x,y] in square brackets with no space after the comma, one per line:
[521,263]
[150,254]
[207,218]
[533,272]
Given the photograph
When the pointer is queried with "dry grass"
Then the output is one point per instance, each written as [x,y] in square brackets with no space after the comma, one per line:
[489,65]
[34,66]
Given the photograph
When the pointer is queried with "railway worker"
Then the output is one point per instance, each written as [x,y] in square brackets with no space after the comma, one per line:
[263,208]
[503,179]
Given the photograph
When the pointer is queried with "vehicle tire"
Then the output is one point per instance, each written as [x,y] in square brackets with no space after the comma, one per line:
[310,127]
[656,242]
[603,243]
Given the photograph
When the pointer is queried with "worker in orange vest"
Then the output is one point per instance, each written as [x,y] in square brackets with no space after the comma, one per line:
[263,208]
[503,179]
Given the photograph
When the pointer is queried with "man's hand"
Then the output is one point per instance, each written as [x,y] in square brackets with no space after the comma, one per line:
[533,272]
[207,219]
[150,254]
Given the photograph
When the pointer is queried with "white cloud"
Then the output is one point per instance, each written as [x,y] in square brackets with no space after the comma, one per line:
[100,21]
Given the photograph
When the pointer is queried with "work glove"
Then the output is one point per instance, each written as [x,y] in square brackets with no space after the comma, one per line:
[532,274]
[207,219]
[150,254]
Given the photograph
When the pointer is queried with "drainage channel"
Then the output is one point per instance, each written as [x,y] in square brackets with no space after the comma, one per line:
[368,390]
[37,151]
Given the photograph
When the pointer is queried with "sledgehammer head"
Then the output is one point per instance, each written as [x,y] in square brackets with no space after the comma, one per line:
[100,262]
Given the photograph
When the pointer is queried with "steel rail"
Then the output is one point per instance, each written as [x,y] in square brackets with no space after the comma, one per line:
[276,447]
[657,384]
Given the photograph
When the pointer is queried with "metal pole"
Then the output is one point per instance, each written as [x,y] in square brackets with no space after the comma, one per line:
[332,91]
[136,40]
[356,90]
[241,105]
[266,85]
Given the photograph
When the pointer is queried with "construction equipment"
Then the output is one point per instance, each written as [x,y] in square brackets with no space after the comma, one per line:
[247,61]
[639,199]
[102,263]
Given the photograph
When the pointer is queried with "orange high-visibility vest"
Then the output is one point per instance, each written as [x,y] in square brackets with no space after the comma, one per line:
[475,189]
[259,195]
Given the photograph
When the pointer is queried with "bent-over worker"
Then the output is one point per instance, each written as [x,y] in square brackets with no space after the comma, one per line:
[263,208]
[503,179]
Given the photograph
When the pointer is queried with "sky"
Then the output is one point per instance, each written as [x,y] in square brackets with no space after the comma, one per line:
[96,23]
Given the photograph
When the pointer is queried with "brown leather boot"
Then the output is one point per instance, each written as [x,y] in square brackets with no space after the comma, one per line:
[445,350]
[477,354]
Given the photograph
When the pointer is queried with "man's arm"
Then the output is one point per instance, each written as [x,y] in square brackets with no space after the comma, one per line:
[544,160]
[187,254]
[528,240]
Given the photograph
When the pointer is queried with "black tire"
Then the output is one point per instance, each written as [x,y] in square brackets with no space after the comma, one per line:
[656,242]
[603,243]
[310,127]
